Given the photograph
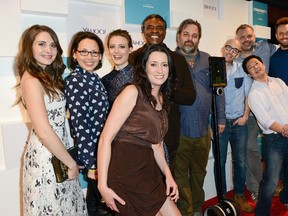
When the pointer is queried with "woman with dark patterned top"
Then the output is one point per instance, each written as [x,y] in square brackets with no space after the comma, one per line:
[119,45]
[88,105]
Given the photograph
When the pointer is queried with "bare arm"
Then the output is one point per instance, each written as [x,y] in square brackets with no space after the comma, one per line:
[33,94]
[171,186]
[282,129]
[243,120]
[121,109]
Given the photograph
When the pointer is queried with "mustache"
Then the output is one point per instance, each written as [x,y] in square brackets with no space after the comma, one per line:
[190,42]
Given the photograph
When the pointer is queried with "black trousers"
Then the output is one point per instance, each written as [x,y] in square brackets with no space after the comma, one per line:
[93,199]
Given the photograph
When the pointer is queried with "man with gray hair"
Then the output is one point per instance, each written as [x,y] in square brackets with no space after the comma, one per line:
[235,132]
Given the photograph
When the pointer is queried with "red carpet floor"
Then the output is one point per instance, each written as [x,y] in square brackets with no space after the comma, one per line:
[277,209]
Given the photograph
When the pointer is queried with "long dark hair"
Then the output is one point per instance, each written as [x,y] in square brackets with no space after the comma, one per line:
[141,79]
[51,76]
[77,38]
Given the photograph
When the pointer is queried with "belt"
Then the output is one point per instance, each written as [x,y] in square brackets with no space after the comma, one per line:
[231,120]
[274,134]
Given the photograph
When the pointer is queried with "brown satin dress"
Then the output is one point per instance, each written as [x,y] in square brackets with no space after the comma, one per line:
[133,172]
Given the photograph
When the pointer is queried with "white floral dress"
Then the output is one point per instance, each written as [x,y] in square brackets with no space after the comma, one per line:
[41,194]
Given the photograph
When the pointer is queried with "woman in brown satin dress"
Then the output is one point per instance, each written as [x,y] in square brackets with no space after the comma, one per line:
[130,151]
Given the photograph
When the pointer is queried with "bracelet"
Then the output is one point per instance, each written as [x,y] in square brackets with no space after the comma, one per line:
[92,171]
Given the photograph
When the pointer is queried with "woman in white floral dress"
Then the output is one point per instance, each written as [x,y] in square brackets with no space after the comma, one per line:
[40,67]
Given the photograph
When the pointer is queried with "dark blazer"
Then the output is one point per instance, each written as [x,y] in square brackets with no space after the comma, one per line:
[185,95]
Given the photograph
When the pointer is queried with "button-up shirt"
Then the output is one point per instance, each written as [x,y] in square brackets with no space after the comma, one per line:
[269,102]
[87,101]
[238,86]
[195,118]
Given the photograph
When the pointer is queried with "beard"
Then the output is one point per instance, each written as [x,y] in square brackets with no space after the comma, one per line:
[283,45]
[188,49]
[247,47]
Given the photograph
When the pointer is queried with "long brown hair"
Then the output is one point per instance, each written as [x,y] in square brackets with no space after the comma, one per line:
[51,77]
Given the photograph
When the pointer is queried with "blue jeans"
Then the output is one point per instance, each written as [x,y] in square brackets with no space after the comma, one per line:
[254,170]
[276,155]
[237,136]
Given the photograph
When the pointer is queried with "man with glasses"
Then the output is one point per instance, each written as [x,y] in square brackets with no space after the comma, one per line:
[245,34]
[154,30]
[237,113]
[195,140]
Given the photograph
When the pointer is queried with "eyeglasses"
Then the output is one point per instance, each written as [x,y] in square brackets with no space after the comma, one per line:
[86,53]
[234,50]
[282,34]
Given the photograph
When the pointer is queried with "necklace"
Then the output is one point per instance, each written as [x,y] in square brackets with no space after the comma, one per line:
[190,58]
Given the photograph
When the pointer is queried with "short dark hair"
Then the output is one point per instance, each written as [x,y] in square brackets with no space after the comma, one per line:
[186,22]
[245,61]
[151,16]
[243,26]
[281,21]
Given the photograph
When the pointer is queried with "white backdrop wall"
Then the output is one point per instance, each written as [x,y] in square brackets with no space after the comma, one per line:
[67,17]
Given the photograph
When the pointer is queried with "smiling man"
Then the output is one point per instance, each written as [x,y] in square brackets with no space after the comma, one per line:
[154,31]
[279,60]
[237,113]
[268,100]
[194,145]
[246,35]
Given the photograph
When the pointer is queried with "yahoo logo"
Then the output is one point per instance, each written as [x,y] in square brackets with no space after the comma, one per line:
[209,7]
[138,43]
[96,31]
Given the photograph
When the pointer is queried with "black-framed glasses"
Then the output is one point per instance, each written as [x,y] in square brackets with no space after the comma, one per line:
[230,48]
[86,53]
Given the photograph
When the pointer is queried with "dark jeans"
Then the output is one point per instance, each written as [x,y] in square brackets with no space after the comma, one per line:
[236,135]
[276,155]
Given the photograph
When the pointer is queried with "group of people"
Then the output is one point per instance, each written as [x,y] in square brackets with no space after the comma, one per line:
[155,102]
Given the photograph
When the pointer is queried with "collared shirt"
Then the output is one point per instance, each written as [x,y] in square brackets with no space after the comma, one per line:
[115,80]
[264,50]
[279,65]
[195,118]
[269,102]
[238,86]
[87,101]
